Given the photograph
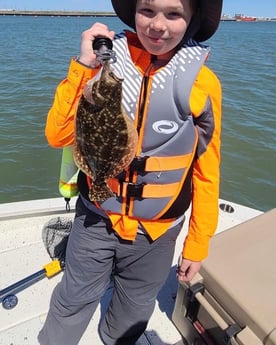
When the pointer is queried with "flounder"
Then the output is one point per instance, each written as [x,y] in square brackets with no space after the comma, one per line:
[105,136]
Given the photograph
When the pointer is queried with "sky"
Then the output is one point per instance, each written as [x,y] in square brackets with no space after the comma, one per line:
[257,8]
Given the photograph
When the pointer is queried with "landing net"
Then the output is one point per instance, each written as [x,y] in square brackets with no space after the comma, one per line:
[55,235]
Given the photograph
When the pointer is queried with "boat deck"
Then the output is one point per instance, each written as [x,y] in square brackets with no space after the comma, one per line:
[22,253]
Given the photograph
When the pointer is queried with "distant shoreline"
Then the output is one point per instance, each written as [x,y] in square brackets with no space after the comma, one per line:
[11,12]
[56,13]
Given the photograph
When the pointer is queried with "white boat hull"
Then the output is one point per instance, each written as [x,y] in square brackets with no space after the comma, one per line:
[23,253]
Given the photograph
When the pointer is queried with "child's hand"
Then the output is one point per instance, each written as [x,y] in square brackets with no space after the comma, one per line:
[187,269]
[87,56]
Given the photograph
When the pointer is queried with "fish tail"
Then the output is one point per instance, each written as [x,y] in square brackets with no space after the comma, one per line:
[100,192]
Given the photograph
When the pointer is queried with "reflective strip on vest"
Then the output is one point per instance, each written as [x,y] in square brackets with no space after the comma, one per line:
[147,190]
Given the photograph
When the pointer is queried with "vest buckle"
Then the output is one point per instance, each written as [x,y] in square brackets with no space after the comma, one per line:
[135,190]
[138,164]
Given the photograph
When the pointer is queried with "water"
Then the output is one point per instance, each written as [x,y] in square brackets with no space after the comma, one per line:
[35,54]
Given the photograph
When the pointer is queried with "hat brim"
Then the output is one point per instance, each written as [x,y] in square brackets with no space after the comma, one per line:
[210,14]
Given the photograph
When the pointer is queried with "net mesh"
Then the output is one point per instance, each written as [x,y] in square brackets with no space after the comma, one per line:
[55,235]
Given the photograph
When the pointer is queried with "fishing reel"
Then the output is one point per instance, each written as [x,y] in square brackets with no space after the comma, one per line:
[102,47]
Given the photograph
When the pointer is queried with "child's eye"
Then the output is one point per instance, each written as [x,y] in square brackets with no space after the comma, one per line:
[145,10]
[174,14]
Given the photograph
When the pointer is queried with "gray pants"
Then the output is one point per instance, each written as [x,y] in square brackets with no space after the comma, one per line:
[94,254]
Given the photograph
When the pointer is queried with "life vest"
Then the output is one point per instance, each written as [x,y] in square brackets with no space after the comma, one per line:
[161,170]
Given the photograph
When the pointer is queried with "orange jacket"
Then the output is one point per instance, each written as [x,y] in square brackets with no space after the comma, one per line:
[204,213]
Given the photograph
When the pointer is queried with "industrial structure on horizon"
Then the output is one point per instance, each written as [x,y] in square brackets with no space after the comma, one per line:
[15,12]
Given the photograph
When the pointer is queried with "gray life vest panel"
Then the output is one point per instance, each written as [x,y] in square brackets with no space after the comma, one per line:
[169,136]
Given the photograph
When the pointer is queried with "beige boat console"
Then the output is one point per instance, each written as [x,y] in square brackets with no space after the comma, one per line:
[233,299]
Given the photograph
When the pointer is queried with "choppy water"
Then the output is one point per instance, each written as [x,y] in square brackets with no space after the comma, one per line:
[35,54]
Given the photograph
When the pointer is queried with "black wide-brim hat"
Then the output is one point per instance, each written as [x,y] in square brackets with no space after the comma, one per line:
[208,16]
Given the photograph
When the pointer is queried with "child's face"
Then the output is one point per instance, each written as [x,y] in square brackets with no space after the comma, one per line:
[161,24]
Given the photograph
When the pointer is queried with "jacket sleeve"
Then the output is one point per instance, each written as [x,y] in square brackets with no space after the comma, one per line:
[205,100]
[59,128]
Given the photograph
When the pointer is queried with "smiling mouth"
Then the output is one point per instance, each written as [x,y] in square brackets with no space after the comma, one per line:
[156,39]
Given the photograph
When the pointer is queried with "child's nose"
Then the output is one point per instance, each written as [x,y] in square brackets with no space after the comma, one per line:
[158,23]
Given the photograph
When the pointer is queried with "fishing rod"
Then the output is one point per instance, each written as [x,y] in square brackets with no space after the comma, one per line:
[55,235]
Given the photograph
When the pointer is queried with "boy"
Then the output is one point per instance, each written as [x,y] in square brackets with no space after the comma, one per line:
[175,103]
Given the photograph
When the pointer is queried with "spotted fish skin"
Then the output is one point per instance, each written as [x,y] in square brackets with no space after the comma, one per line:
[105,137]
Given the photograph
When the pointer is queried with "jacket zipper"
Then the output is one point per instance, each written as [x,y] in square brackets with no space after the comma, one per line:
[142,105]
[144,87]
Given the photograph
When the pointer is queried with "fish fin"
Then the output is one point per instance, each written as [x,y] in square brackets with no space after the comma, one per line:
[81,162]
[100,192]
